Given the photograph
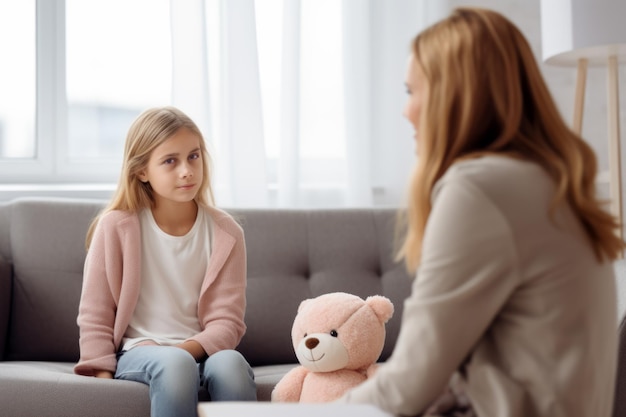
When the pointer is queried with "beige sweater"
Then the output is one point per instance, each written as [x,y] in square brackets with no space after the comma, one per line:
[516,301]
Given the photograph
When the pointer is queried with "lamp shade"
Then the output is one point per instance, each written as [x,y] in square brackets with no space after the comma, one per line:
[591,29]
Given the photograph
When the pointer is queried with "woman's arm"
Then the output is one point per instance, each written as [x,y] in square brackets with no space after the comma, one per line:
[467,271]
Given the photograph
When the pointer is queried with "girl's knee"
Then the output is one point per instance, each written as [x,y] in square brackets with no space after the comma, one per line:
[227,362]
[180,356]
[229,356]
[228,376]
[178,362]
[144,363]
[174,390]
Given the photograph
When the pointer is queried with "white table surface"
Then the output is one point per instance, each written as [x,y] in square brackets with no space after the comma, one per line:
[269,409]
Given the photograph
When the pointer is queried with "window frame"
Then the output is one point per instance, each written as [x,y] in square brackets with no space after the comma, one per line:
[51,166]
[20,170]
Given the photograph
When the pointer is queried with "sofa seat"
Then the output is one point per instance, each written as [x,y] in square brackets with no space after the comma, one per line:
[52,388]
[70,395]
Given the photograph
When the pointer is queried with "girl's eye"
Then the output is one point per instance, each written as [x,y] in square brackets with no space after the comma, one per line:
[194,156]
[169,161]
[334,333]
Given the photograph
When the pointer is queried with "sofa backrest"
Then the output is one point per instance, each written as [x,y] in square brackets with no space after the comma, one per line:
[46,248]
[297,254]
[5,302]
[292,255]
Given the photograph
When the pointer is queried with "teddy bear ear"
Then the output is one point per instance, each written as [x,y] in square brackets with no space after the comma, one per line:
[303,303]
[382,306]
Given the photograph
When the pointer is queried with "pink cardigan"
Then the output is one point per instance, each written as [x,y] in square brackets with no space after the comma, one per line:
[111,286]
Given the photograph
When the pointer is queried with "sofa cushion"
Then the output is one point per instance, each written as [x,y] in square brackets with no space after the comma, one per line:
[5,227]
[52,389]
[5,302]
[266,378]
[47,247]
[59,392]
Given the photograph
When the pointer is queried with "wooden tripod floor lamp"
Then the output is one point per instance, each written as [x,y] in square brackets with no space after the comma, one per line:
[590,32]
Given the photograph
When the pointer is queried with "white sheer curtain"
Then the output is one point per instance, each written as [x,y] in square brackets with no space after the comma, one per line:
[357,60]
[190,74]
[300,100]
[288,172]
[229,110]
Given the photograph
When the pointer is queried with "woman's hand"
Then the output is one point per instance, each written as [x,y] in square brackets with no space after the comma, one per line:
[453,401]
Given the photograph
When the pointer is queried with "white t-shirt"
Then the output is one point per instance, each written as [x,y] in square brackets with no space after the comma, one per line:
[172,271]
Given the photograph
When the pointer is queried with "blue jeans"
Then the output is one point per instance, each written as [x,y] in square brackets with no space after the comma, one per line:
[174,378]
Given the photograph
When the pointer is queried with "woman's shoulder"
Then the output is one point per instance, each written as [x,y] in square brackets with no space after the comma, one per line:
[499,178]
[493,168]
[520,188]
[494,172]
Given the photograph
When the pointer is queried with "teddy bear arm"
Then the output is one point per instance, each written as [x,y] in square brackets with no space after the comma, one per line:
[371,370]
[289,388]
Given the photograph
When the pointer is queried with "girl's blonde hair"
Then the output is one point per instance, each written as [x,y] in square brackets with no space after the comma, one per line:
[485,95]
[153,127]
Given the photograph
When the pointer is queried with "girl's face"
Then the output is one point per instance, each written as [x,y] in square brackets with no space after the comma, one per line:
[175,169]
[416,87]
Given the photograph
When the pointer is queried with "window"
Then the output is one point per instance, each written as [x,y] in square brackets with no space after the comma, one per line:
[17,80]
[98,72]
[113,71]
[320,106]
[293,128]
[82,72]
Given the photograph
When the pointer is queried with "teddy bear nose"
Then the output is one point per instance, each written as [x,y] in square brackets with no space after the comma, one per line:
[311,343]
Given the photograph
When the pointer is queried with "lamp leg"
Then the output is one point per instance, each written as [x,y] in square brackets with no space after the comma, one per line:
[614,145]
[579,99]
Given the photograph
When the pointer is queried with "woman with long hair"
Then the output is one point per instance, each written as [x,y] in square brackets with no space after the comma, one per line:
[513,308]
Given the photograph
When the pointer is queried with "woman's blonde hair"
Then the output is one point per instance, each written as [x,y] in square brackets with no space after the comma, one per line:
[151,128]
[486,94]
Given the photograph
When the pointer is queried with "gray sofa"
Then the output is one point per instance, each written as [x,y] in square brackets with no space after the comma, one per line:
[292,255]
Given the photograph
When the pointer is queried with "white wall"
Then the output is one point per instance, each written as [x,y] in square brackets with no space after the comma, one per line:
[393,153]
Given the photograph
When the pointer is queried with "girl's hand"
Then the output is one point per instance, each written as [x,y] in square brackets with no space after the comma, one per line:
[194,348]
[103,374]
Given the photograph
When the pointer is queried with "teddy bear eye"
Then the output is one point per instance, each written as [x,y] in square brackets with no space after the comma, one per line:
[333,333]
[306,334]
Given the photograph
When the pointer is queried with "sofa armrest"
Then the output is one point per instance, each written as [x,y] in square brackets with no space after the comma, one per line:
[6,289]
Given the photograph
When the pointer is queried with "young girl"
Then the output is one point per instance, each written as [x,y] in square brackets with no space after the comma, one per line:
[515,287]
[163,296]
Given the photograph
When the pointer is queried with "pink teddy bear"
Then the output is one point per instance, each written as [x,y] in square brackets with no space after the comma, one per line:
[338,338]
